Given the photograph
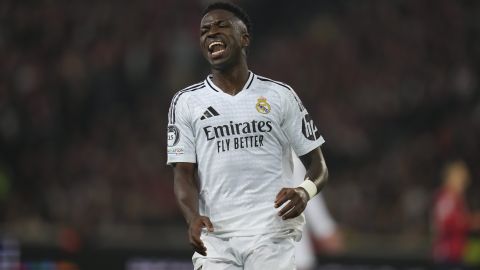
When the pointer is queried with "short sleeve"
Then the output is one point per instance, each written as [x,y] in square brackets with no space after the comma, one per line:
[298,125]
[180,135]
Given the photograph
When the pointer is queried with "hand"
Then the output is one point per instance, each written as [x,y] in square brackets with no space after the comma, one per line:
[297,198]
[194,231]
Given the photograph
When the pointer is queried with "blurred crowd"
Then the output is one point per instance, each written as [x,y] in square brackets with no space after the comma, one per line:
[85,88]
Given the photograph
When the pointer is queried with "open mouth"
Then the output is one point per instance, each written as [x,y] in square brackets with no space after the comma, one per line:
[216,48]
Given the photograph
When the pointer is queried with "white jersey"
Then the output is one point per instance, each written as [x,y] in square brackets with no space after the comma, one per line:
[242,147]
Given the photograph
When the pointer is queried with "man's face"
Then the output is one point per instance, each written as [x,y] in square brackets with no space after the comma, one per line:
[222,38]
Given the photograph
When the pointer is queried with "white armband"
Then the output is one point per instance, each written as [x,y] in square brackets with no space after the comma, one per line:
[310,187]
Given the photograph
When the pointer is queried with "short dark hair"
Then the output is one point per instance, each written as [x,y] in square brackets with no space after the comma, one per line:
[236,10]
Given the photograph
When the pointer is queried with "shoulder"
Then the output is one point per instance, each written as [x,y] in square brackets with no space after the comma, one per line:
[267,82]
[284,90]
[188,91]
[180,100]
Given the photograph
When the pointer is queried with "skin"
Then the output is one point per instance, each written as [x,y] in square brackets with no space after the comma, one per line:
[457,177]
[230,72]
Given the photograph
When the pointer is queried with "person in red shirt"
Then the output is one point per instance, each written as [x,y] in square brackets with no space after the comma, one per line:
[452,220]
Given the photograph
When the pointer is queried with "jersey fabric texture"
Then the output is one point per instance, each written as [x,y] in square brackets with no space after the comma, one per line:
[242,147]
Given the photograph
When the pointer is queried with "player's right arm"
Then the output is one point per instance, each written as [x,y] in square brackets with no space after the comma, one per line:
[186,192]
[182,156]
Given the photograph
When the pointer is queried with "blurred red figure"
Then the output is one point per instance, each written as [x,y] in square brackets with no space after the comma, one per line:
[452,220]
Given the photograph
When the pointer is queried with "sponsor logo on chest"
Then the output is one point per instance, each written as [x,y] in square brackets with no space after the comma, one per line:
[231,135]
[238,135]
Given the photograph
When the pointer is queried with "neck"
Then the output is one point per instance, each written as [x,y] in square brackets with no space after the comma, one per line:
[231,80]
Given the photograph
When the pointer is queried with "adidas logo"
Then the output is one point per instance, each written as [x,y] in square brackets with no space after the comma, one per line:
[210,112]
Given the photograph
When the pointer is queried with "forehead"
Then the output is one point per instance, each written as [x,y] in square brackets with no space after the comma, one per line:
[217,15]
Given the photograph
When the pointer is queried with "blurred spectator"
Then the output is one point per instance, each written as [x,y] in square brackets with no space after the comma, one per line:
[452,219]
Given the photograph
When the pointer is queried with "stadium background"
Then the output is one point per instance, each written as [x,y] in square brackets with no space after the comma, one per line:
[85,88]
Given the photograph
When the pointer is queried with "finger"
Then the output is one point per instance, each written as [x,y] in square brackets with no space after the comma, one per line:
[198,245]
[289,206]
[196,241]
[195,237]
[207,223]
[282,198]
[296,211]
[280,194]
[201,251]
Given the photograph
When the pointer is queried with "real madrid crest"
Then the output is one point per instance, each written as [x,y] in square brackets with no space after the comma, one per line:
[262,105]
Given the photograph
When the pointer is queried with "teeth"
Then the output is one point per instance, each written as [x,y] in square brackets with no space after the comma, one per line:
[217,53]
[214,43]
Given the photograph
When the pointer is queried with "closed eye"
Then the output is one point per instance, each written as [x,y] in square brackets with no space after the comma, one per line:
[220,24]
[223,24]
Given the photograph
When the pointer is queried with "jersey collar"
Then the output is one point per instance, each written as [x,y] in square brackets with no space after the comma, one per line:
[248,83]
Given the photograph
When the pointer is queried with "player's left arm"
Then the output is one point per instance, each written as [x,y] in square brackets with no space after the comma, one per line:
[305,140]
[297,198]
[317,170]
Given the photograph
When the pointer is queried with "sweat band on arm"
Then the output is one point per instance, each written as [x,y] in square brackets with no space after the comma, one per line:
[310,187]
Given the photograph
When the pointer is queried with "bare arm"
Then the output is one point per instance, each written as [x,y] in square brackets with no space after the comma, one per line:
[186,192]
[316,168]
[185,189]
[298,197]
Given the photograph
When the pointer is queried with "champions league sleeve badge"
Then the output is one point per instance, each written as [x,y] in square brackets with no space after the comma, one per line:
[262,105]
[173,135]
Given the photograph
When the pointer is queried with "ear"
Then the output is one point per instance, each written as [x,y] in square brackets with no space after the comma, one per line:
[245,40]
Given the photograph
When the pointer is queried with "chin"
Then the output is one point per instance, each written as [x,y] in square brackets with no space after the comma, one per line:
[221,64]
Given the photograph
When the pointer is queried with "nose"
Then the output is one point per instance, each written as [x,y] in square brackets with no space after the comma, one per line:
[213,31]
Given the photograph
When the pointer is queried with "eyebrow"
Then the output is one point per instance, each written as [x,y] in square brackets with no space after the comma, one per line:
[216,22]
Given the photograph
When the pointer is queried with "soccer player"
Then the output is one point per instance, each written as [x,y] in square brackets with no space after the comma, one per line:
[229,142]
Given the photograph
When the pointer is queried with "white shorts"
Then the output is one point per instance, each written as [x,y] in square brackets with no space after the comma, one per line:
[260,252]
